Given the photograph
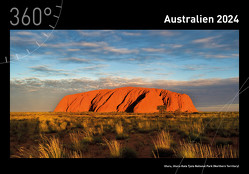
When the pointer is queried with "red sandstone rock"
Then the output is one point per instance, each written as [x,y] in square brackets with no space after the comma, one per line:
[126,99]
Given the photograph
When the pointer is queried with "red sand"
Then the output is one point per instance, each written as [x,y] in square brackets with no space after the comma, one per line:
[126,99]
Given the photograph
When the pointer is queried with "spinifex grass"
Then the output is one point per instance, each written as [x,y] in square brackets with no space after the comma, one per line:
[25,128]
[75,139]
[197,150]
[162,140]
[162,145]
[88,135]
[100,130]
[119,128]
[51,148]
[26,153]
[227,152]
[75,154]
[114,147]
[194,128]
[120,131]
[144,126]
[194,150]
[48,148]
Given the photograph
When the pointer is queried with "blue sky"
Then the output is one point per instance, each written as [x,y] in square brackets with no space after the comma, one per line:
[195,62]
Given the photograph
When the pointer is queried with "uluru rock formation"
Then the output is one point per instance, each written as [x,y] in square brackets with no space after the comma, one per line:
[126,99]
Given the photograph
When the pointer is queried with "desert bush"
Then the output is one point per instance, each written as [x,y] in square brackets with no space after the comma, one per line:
[225,125]
[100,130]
[110,122]
[53,126]
[109,125]
[145,126]
[63,125]
[77,123]
[193,129]
[197,127]
[88,136]
[43,126]
[23,129]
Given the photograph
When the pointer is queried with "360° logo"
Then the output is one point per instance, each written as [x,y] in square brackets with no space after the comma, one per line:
[35,17]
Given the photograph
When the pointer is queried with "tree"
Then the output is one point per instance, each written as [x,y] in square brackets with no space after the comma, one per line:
[161,108]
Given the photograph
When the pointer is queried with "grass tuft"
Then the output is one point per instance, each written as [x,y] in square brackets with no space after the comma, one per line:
[75,139]
[162,145]
[51,148]
[197,150]
[114,147]
[120,132]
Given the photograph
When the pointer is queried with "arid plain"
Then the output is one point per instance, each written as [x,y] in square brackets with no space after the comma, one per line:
[124,135]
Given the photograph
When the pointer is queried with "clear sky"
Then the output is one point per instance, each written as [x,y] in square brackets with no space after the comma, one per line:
[201,63]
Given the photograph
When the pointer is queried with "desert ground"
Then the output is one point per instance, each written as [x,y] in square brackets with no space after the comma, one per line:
[124,135]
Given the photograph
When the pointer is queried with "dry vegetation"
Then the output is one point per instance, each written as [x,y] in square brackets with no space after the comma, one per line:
[124,135]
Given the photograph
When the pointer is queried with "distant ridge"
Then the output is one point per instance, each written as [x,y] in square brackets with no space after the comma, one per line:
[126,99]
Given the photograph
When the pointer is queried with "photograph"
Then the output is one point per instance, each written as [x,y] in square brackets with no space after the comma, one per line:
[124,93]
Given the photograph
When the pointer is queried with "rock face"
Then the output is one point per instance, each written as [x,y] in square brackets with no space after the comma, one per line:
[126,99]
